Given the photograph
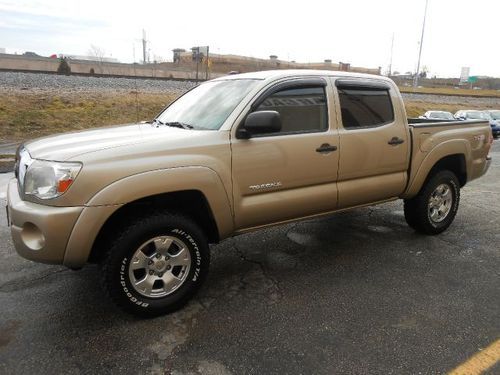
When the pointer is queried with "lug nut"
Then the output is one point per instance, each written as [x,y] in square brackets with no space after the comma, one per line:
[150,262]
[160,274]
[167,257]
[169,266]
[158,256]
[151,272]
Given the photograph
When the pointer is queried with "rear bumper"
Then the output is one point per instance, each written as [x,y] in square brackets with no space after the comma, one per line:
[487,164]
[39,232]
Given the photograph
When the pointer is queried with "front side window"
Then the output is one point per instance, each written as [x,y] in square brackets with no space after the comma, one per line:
[365,107]
[302,109]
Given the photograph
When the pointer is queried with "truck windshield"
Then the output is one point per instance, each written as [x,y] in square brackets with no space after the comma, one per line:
[442,115]
[207,106]
[495,115]
[478,115]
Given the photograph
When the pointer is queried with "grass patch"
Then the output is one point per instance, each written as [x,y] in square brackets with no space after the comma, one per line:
[35,115]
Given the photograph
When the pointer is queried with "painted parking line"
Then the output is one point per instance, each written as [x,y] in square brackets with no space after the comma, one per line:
[480,361]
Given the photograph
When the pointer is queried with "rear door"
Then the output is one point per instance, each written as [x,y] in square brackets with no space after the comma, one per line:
[374,142]
[292,173]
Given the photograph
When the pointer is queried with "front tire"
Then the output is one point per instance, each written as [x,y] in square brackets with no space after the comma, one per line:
[156,264]
[434,208]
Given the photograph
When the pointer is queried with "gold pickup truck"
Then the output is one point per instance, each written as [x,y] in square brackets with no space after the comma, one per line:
[232,155]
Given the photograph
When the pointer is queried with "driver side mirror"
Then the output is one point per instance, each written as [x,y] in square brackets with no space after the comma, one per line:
[261,122]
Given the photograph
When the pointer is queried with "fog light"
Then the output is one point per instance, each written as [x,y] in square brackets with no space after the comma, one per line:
[32,236]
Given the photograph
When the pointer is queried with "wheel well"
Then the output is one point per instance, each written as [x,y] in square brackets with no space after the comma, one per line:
[454,163]
[190,202]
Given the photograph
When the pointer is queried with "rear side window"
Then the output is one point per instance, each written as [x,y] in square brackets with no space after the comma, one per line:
[365,107]
[302,109]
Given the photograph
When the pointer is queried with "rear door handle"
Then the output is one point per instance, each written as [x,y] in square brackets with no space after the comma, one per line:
[395,141]
[325,148]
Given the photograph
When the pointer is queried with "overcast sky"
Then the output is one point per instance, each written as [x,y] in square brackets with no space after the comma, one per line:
[458,33]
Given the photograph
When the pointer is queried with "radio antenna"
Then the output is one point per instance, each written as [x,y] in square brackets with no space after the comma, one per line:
[136,89]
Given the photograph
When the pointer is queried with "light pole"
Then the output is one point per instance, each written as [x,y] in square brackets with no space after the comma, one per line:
[415,80]
[390,62]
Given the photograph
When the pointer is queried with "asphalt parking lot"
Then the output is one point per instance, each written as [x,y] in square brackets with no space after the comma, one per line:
[355,293]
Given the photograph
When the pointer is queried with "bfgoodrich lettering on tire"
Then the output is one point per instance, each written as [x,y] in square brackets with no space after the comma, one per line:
[434,208]
[156,264]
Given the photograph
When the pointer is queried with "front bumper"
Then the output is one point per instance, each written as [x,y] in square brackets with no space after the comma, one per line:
[39,232]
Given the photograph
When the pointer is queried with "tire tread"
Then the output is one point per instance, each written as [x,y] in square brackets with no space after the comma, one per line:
[415,209]
[135,225]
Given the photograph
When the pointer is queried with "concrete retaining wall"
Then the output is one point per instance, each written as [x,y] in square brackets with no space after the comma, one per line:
[45,64]
[185,69]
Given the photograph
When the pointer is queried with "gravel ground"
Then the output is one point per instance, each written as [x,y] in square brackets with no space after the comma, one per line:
[453,100]
[15,82]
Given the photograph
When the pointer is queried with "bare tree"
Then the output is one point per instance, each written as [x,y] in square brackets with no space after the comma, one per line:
[98,53]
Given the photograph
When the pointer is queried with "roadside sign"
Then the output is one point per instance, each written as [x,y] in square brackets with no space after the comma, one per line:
[464,75]
[472,79]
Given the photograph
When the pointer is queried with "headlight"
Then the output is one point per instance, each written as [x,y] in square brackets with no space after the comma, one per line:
[49,179]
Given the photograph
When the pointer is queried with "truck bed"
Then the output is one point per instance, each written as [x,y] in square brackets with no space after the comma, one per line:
[423,122]
[432,138]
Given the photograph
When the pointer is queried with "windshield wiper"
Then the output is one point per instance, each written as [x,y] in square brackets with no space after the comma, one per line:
[157,122]
[176,124]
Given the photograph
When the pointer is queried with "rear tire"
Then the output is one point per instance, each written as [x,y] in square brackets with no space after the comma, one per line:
[434,208]
[410,216]
[156,264]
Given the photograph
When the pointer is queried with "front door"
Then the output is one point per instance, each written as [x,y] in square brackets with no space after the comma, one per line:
[292,173]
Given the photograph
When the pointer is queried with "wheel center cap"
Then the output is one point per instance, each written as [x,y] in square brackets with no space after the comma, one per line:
[160,265]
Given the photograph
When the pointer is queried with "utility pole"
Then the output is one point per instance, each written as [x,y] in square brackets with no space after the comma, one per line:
[390,61]
[415,80]
[196,51]
[206,72]
[144,43]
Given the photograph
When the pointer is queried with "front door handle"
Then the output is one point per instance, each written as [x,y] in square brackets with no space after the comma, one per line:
[395,141]
[325,148]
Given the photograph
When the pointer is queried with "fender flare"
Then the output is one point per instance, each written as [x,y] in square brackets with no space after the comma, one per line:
[448,148]
[142,185]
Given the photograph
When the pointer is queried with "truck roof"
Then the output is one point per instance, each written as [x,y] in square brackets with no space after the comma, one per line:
[283,73]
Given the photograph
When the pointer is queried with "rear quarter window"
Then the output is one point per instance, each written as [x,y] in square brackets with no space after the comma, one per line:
[365,107]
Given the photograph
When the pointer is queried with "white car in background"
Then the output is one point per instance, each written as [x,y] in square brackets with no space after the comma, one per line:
[472,114]
[437,115]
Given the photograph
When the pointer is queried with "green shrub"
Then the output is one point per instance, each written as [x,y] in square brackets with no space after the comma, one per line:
[63,67]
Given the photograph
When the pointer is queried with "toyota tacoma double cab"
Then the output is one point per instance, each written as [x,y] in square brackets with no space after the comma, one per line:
[232,155]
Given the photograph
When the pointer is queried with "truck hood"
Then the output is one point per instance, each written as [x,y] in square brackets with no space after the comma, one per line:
[70,145]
